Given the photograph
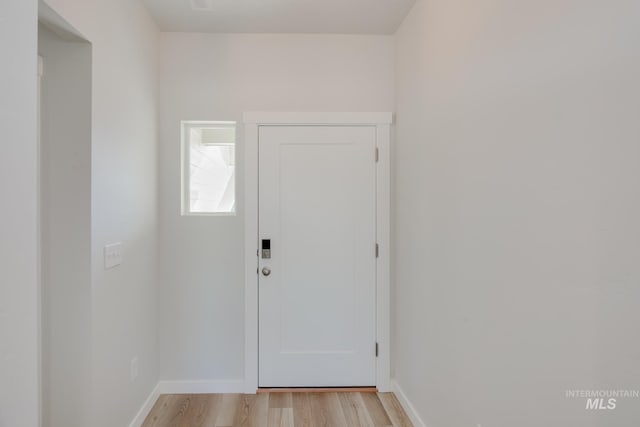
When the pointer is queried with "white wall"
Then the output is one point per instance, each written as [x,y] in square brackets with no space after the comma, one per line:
[65,177]
[123,202]
[19,322]
[517,210]
[218,77]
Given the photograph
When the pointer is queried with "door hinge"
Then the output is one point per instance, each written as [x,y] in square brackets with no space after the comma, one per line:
[377,250]
[376,349]
[377,154]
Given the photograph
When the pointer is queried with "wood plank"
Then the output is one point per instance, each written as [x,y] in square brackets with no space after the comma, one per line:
[301,409]
[161,412]
[326,410]
[180,408]
[394,409]
[355,412]
[227,411]
[280,400]
[280,417]
[203,410]
[278,409]
[376,410]
[252,411]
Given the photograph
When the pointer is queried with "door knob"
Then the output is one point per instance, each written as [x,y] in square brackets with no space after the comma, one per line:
[266,271]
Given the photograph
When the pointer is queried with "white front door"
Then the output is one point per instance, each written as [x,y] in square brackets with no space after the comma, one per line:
[317,291]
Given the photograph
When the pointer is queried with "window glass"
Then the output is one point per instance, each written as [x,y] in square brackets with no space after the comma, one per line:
[209,167]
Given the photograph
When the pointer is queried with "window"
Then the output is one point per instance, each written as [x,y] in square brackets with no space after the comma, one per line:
[208,168]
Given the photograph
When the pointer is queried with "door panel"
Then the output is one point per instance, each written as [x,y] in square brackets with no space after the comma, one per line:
[317,207]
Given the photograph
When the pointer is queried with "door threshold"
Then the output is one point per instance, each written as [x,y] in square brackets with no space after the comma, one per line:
[317,390]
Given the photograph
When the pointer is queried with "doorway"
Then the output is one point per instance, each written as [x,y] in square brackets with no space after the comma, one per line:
[318,190]
[65,70]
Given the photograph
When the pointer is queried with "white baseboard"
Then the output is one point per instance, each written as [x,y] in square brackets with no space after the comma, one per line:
[146,407]
[205,386]
[406,404]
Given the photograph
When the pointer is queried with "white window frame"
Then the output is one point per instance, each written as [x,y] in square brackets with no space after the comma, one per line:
[185,161]
[382,122]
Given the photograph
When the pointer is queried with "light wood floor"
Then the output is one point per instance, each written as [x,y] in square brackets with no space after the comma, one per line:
[277,409]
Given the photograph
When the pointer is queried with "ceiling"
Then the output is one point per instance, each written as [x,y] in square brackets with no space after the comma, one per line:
[280,16]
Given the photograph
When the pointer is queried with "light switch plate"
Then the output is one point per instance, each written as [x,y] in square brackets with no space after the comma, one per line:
[112,255]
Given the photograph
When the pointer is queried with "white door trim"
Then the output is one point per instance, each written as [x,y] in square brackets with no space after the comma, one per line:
[382,122]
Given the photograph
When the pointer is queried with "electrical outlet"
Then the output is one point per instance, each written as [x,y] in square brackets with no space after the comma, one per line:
[112,255]
[133,369]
